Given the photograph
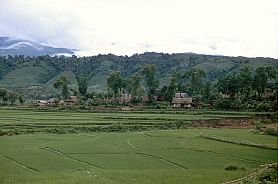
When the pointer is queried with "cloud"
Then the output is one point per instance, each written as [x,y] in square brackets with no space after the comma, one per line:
[227,27]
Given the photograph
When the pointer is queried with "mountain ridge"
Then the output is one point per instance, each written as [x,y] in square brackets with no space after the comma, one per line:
[16,46]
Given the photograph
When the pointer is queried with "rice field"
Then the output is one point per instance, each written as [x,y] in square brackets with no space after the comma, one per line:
[147,156]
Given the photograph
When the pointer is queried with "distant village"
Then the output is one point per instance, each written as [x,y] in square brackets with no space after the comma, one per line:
[180,100]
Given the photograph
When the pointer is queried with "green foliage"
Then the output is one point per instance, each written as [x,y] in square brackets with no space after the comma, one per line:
[135,84]
[264,106]
[150,80]
[269,176]
[115,83]
[12,97]
[245,80]
[271,131]
[231,168]
[21,99]
[228,85]
[3,94]
[33,77]
[196,82]
[261,78]
[82,85]
[63,83]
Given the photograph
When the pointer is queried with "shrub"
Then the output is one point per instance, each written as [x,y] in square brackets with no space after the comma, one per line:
[223,103]
[258,125]
[231,168]
[264,106]
[270,176]
[271,131]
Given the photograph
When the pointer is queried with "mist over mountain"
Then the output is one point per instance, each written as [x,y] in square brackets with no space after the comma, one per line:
[14,46]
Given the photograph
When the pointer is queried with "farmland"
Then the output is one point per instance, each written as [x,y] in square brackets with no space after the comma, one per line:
[126,147]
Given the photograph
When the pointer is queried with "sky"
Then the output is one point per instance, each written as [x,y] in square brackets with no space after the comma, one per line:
[124,27]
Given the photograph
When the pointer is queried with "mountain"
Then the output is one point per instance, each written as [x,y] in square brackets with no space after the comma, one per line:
[13,46]
[34,76]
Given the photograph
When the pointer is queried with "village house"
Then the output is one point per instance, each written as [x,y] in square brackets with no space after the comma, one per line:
[126,98]
[71,99]
[182,100]
[42,102]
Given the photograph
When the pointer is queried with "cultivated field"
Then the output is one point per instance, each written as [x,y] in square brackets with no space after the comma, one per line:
[126,147]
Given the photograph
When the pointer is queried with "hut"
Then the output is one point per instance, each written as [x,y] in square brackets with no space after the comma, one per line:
[182,100]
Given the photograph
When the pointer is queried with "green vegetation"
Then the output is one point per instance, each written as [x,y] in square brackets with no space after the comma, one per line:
[63,83]
[33,77]
[120,126]
[101,147]
[150,81]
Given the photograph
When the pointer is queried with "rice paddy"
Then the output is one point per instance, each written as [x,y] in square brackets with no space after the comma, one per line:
[144,156]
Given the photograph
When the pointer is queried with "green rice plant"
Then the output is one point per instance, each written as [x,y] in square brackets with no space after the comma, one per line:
[237,141]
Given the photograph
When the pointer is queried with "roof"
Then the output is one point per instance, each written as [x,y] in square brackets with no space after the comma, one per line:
[181,95]
[73,98]
[182,100]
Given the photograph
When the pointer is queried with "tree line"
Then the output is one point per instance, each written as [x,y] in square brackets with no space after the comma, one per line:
[12,97]
[243,88]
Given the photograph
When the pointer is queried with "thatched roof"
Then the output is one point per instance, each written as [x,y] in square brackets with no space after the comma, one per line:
[182,100]
[181,95]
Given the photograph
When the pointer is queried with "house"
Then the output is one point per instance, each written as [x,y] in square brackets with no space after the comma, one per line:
[72,99]
[48,102]
[53,101]
[182,100]
[145,99]
[126,98]
[42,102]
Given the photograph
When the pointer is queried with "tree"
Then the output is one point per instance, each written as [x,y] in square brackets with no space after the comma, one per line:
[126,85]
[261,77]
[135,84]
[21,99]
[12,97]
[207,91]
[150,81]
[245,81]
[196,77]
[82,85]
[228,85]
[115,82]
[3,94]
[63,83]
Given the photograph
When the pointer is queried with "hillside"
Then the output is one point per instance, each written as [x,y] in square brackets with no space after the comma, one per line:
[34,76]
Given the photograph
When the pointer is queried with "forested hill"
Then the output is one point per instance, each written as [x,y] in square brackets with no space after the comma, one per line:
[35,75]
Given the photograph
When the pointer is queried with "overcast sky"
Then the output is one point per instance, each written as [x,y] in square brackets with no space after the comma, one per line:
[222,27]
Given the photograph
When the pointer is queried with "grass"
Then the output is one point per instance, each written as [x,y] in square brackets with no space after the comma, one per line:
[153,156]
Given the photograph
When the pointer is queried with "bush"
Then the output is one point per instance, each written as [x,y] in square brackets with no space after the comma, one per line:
[136,100]
[271,131]
[223,103]
[268,176]
[231,168]
[264,106]
[258,125]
